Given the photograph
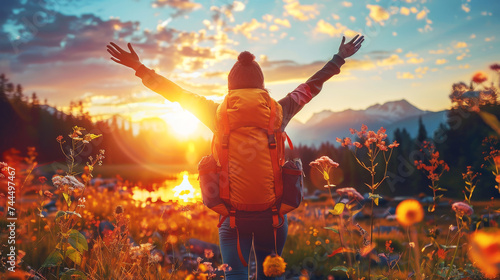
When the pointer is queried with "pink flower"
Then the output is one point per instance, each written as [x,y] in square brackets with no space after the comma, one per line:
[495,67]
[462,209]
[351,193]
[209,254]
[358,145]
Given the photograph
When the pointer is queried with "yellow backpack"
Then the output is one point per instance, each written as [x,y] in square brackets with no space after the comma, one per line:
[247,169]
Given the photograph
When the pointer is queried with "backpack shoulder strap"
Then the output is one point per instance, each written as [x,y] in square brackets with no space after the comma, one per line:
[224,153]
[273,150]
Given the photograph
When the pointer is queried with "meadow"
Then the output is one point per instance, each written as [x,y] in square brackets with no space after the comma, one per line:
[66,220]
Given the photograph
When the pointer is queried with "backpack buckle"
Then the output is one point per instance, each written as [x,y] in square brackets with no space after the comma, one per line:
[271,139]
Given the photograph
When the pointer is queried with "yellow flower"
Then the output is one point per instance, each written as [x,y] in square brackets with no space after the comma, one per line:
[274,266]
[318,243]
[485,251]
[409,212]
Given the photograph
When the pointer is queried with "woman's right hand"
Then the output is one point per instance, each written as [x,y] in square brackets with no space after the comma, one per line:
[129,59]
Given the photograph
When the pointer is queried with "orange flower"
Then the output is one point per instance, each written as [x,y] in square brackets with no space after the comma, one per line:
[479,77]
[485,251]
[409,212]
[274,266]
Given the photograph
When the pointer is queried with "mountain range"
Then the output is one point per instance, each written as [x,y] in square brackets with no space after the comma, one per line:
[327,125]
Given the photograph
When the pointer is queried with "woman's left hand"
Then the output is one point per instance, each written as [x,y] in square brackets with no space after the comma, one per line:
[129,59]
[347,50]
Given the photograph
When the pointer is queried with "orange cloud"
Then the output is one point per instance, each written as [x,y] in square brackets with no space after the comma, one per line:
[405,75]
[300,12]
[404,11]
[282,22]
[333,31]
[441,61]
[390,61]
[460,45]
[378,14]
[247,28]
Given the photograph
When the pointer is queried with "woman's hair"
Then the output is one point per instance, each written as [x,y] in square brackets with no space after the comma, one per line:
[246,73]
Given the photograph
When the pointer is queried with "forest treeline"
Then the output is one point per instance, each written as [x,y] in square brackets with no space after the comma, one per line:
[26,122]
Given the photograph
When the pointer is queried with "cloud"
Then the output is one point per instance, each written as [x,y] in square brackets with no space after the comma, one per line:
[247,28]
[415,60]
[441,61]
[460,45]
[404,11]
[460,57]
[390,61]
[288,70]
[225,12]
[346,4]
[405,75]
[300,12]
[421,15]
[440,51]
[333,30]
[378,14]
[466,7]
[488,39]
[267,17]
[182,7]
[282,22]
[472,36]
[352,18]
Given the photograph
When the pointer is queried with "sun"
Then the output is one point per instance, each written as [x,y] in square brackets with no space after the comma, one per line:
[181,122]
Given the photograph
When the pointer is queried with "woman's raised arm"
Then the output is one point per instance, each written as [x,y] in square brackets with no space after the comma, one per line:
[199,106]
[295,100]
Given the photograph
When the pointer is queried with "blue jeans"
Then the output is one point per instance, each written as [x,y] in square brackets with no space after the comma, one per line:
[258,229]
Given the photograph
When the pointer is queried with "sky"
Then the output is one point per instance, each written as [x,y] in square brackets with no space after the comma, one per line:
[413,50]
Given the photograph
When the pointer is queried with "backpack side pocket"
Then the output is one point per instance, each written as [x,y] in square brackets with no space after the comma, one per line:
[292,185]
[209,184]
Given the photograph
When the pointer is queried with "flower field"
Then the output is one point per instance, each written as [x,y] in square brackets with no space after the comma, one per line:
[74,226]
[67,221]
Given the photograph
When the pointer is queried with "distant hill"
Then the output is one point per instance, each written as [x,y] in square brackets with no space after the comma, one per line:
[327,125]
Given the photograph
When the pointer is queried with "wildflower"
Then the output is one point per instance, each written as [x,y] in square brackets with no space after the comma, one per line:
[209,254]
[393,145]
[81,202]
[42,179]
[388,247]
[274,266]
[48,194]
[495,67]
[324,164]
[358,145]
[479,77]
[351,193]
[224,267]
[412,244]
[317,243]
[409,212]
[485,251]
[59,139]
[441,254]
[462,209]
[68,180]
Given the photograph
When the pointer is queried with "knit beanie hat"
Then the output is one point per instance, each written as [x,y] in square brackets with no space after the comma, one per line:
[246,73]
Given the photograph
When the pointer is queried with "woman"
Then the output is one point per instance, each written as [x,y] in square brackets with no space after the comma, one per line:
[246,73]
